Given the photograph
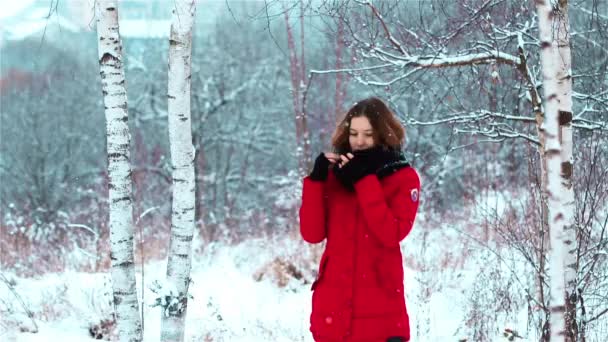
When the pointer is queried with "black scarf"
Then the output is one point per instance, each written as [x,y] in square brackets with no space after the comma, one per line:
[382,161]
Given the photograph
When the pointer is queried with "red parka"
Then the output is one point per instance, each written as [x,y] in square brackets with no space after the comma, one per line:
[358,294]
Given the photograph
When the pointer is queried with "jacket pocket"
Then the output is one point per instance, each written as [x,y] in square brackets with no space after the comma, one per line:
[322,266]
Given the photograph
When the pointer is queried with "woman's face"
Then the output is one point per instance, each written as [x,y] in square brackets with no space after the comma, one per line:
[361,135]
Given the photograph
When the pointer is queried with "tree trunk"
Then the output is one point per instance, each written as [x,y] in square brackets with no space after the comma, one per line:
[182,160]
[119,170]
[564,93]
[539,117]
[555,62]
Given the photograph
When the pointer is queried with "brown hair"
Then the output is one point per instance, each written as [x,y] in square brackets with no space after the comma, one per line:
[387,130]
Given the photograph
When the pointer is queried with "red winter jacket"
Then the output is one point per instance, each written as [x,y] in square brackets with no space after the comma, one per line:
[358,294]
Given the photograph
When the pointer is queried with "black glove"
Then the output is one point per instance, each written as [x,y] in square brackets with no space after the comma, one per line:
[320,170]
[357,168]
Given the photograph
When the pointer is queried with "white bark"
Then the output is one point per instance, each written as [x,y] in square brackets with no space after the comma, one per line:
[119,170]
[561,28]
[182,159]
[555,70]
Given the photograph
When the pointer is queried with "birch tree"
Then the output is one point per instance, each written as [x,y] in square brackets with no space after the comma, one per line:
[555,70]
[182,160]
[560,28]
[119,171]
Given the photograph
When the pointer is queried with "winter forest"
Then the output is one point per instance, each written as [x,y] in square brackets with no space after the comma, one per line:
[152,156]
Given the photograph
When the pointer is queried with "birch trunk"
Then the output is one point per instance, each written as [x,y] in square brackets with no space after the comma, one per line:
[112,74]
[182,160]
[539,117]
[564,96]
[555,70]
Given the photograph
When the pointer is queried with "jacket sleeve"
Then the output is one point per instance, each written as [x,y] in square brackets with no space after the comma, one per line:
[312,211]
[390,220]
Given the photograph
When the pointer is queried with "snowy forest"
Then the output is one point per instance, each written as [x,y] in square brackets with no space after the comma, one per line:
[152,156]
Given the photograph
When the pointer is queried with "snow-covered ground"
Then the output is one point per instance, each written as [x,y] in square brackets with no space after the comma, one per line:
[229,304]
[459,286]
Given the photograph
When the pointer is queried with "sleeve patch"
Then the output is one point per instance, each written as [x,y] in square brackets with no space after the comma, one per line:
[414,195]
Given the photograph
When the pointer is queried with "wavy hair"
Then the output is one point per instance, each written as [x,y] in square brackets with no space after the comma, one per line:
[387,130]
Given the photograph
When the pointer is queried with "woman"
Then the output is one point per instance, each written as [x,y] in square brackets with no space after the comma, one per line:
[363,199]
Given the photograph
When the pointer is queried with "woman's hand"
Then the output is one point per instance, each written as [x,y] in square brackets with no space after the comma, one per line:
[352,168]
[319,171]
[343,159]
[332,157]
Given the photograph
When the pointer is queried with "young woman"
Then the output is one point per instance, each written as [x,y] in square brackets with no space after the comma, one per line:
[363,199]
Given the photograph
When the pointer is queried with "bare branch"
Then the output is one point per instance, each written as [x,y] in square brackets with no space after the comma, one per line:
[30,314]
[603,312]
[388,33]
[351,70]
[498,133]
[444,61]
[471,117]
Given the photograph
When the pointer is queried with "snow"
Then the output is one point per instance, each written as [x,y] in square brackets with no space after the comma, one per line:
[140,28]
[66,330]
[228,304]
[35,22]
[11,8]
